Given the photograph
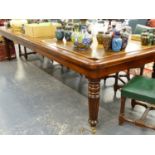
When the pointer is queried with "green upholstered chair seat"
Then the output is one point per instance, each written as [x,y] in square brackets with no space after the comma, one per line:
[140,88]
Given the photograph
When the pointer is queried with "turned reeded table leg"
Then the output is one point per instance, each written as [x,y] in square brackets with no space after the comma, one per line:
[93,100]
[153,73]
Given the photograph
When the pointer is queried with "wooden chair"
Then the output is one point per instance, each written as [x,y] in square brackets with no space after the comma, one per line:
[118,77]
[4,55]
[141,91]
[25,54]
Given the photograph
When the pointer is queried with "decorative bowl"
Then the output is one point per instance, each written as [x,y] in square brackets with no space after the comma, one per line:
[81,41]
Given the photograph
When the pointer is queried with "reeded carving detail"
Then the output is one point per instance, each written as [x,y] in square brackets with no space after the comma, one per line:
[93,89]
[93,122]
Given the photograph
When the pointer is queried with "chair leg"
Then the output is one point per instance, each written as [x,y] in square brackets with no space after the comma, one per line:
[133,103]
[128,74]
[20,52]
[62,68]
[116,82]
[25,53]
[52,61]
[122,110]
[105,78]
[141,70]
[153,73]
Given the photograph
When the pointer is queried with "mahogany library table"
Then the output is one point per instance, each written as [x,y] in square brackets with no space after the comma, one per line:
[94,63]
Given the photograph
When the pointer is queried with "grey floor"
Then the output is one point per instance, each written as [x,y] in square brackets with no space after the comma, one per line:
[38,98]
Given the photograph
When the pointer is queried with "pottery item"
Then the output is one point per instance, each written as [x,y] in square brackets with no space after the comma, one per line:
[7,24]
[59,33]
[124,42]
[68,33]
[76,27]
[100,37]
[153,42]
[145,39]
[113,28]
[151,38]
[117,42]
[125,37]
[107,38]
[23,29]
[81,40]
[83,21]
[83,27]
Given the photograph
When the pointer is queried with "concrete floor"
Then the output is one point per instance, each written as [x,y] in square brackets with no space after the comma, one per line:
[38,98]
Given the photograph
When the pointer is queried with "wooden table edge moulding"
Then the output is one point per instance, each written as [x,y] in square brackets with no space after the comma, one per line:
[94,63]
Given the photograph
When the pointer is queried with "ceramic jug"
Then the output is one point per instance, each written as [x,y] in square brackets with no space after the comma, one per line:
[117,42]
[153,42]
[59,33]
[100,37]
[125,37]
[81,41]
[107,38]
[68,33]
[145,39]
